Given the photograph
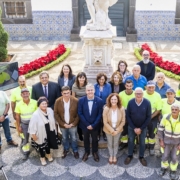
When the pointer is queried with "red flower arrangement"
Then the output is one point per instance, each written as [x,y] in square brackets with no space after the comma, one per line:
[42,61]
[158,61]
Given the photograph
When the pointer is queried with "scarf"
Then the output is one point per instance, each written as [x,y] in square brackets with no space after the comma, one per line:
[44,119]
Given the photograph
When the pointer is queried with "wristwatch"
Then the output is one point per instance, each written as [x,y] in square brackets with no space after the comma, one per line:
[5,115]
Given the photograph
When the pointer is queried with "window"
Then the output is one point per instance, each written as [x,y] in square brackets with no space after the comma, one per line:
[15,9]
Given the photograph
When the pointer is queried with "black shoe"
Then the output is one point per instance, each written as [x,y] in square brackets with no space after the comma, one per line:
[123,146]
[128,160]
[104,137]
[65,153]
[85,157]
[76,155]
[162,171]
[173,175]
[143,161]
[96,157]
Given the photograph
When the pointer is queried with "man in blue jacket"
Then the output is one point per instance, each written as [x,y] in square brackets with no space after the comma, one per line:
[138,116]
[90,113]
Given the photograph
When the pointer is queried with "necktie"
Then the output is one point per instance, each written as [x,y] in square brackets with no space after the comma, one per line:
[89,100]
[45,91]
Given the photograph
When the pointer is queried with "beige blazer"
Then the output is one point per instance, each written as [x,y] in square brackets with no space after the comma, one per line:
[107,114]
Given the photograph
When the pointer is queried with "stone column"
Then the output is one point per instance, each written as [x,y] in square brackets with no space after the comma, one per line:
[131,34]
[177,17]
[76,29]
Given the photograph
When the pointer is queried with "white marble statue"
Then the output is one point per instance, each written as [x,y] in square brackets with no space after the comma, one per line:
[98,10]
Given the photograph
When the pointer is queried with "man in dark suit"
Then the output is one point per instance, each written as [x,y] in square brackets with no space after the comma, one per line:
[90,113]
[46,88]
[147,66]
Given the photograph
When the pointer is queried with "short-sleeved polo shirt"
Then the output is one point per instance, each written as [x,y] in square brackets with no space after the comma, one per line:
[3,101]
[162,90]
[140,82]
[26,110]
[16,94]
[155,100]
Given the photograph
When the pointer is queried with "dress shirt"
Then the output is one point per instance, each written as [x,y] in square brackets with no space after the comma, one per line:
[90,104]
[138,104]
[114,118]
[66,111]
[65,82]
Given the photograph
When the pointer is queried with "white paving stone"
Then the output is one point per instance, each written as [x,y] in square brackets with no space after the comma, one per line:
[82,170]
[25,169]
[139,171]
[111,171]
[53,169]
[11,155]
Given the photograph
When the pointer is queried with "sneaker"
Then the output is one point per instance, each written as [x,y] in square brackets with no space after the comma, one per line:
[128,160]
[49,157]
[143,161]
[173,175]
[152,152]
[13,143]
[43,161]
[162,171]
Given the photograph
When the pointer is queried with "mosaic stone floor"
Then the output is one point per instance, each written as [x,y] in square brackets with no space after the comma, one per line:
[70,168]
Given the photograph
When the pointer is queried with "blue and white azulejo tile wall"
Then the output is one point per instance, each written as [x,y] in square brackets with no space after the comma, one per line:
[46,26]
[157,26]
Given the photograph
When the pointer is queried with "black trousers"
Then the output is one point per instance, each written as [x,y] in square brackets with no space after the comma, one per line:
[44,151]
[94,135]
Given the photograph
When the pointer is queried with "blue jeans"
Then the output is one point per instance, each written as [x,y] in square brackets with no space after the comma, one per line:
[132,135]
[69,138]
[6,128]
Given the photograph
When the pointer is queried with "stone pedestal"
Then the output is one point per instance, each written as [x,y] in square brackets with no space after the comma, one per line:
[98,51]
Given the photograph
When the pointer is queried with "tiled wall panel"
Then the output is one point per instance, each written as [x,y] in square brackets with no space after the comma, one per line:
[157,26]
[47,26]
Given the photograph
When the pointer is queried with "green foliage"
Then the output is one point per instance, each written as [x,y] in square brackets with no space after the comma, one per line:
[3,41]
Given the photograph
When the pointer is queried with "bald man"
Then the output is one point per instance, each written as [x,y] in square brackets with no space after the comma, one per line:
[138,79]
[147,66]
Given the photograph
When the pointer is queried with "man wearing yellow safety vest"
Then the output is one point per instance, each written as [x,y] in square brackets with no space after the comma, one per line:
[16,96]
[169,141]
[167,102]
[126,96]
[24,110]
[155,100]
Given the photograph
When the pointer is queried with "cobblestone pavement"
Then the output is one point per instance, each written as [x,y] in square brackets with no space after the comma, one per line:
[70,168]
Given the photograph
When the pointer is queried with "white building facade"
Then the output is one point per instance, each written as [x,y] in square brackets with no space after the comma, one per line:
[57,20]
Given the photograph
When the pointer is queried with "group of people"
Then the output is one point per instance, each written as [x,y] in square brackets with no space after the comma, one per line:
[125,110]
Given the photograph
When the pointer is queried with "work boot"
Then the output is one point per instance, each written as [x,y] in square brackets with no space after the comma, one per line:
[162,172]
[173,175]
